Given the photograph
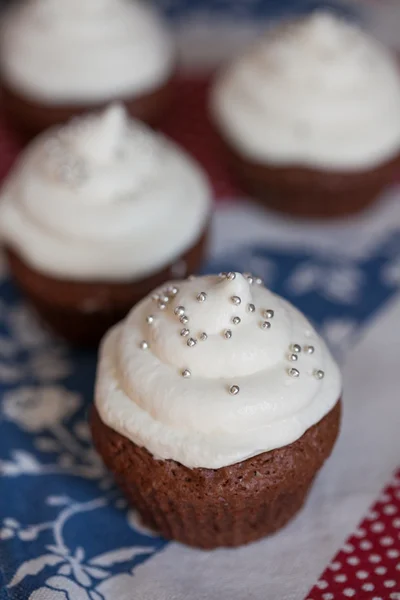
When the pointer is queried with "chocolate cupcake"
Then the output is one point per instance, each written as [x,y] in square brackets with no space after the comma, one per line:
[60,59]
[310,117]
[95,214]
[216,412]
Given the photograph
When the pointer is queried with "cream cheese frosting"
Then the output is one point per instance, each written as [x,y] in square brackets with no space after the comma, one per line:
[103,198]
[214,370]
[317,92]
[83,51]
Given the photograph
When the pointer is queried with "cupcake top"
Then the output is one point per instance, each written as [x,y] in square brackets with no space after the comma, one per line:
[84,51]
[103,198]
[214,370]
[317,92]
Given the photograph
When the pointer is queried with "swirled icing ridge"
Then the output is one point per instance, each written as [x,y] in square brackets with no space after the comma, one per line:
[103,198]
[84,51]
[214,370]
[318,92]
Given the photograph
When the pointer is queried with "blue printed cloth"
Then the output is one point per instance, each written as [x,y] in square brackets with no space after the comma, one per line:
[65,531]
[245,9]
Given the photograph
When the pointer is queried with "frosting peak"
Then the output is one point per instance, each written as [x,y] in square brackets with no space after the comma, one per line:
[219,300]
[217,310]
[97,199]
[101,156]
[214,370]
[316,92]
[98,139]
[322,28]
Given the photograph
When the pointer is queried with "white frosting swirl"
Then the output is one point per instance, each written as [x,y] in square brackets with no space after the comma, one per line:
[317,92]
[198,420]
[83,51]
[103,198]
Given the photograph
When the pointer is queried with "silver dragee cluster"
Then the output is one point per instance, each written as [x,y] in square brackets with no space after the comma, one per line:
[165,297]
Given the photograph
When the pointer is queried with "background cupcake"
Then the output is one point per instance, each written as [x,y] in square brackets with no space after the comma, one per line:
[216,413]
[311,117]
[59,59]
[95,214]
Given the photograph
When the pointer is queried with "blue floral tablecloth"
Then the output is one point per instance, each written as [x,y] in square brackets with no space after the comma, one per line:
[66,533]
[64,527]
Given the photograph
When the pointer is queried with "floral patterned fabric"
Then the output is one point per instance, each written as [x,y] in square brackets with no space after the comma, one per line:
[66,533]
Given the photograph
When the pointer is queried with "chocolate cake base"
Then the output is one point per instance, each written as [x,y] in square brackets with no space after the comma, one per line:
[230,506]
[81,312]
[31,117]
[308,192]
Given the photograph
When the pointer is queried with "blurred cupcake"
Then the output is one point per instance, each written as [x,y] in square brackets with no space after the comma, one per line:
[216,413]
[311,117]
[61,58]
[97,213]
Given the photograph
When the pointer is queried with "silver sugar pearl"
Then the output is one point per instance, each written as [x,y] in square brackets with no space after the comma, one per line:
[269,314]
[227,334]
[318,374]
[185,332]
[293,357]
[231,276]
[259,281]
[203,336]
[234,390]
[179,311]
[149,319]
[294,372]
[265,325]
[162,305]
[309,349]
[172,291]
[249,277]
[164,299]
[236,320]
[202,297]
[184,320]
[144,345]
[186,373]
[251,308]
[236,300]
[295,348]
[155,297]
[191,342]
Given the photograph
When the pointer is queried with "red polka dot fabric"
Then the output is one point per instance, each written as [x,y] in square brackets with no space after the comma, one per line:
[368,565]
